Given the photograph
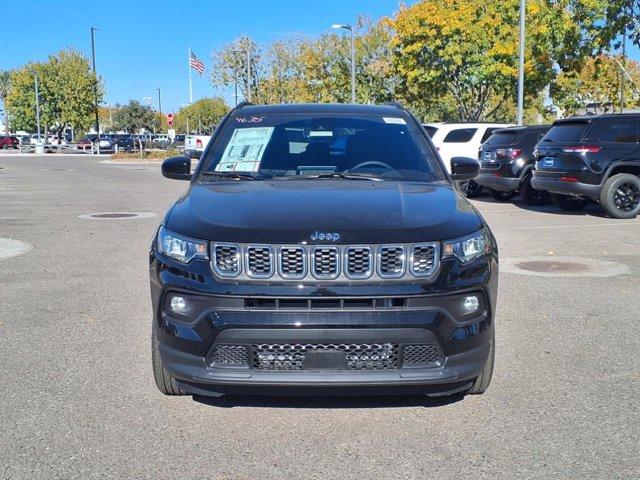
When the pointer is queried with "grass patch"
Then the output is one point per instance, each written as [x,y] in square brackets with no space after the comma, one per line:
[145,156]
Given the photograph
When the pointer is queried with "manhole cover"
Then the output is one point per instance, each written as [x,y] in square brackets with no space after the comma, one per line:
[561,267]
[12,248]
[553,266]
[117,215]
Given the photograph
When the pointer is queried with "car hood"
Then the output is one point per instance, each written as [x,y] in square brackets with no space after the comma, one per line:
[290,211]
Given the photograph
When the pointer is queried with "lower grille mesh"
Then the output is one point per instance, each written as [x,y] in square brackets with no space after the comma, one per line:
[361,356]
[420,355]
[229,356]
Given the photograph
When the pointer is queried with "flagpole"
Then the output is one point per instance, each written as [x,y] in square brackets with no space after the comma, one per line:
[190,80]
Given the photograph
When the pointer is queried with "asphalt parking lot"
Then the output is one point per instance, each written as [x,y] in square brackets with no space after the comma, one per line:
[78,400]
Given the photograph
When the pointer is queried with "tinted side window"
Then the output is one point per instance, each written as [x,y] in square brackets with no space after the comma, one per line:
[618,130]
[430,130]
[460,135]
[487,133]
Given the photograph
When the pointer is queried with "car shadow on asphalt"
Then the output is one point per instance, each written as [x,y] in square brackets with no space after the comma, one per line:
[592,210]
[334,402]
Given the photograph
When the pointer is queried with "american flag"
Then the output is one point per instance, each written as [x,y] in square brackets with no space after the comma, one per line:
[196,63]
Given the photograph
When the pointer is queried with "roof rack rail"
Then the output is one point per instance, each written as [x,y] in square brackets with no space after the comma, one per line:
[395,103]
[243,104]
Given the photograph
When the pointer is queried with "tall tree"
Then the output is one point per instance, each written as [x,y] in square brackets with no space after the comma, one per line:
[202,115]
[133,117]
[230,66]
[466,51]
[5,85]
[596,86]
[66,92]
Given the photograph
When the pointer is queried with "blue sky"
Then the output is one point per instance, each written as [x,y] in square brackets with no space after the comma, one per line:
[142,45]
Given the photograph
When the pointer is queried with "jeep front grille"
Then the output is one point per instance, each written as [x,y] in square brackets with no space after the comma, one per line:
[293,262]
[319,263]
[423,260]
[358,262]
[391,262]
[226,260]
[423,355]
[326,262]
[259,261]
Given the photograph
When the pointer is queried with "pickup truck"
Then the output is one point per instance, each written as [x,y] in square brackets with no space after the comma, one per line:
[194,145]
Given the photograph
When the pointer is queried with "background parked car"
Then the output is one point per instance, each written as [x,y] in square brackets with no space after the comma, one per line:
[592,158]
[9,141]
[506,162]
[461,140]
[194,145]
[123,141]
[35,138]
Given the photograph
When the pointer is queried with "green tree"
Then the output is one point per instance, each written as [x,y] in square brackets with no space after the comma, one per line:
[230,66]
[133,117]
[202,116]
[597,86]
[66,90]
[466,52]
[5,86]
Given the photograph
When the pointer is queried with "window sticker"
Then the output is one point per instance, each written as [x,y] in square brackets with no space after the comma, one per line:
[245,150]
[394,120]
[320,133]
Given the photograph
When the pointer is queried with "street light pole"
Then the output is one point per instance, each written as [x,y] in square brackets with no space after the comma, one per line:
[159,101]
[95,87]
[248,75]
[353,57]
[520,115]
[35,76]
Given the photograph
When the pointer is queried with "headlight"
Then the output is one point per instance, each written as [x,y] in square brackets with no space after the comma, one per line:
[179,247]
[468,248]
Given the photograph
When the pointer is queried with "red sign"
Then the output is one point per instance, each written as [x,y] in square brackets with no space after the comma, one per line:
[170,119]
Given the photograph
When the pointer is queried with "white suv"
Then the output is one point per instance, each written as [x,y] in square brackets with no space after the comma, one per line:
[460,139]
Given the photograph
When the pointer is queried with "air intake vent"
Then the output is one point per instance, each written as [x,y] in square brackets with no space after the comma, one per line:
[358,262]
[259,261]
[391,261]
[293,262]
[423,260]
[226,260]
[326,262]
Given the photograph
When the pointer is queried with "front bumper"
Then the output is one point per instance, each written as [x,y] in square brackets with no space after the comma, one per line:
[399,315]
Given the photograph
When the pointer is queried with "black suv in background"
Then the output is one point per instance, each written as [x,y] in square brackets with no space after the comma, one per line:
[506,161]
[322,246]
[592,158]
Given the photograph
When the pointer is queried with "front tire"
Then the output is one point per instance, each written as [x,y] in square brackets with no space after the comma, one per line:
[620,196]
[165,382]
[469,188]
[570,203]
[483,380]
[502,196]
[532,196]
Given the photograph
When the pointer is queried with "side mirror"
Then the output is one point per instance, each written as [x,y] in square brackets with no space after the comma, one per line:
[464,168]
[177,168]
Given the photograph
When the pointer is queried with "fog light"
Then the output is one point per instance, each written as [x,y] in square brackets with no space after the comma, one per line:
[471,304]
[178,304]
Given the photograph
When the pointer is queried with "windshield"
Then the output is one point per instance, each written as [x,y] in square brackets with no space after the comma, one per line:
[506,137]
[312,146]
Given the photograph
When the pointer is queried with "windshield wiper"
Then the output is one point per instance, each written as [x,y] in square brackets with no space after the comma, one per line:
[344,175]
[232,175]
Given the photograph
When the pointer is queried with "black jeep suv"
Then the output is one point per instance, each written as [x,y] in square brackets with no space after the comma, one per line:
[506,162]
[322,246]
[592,158]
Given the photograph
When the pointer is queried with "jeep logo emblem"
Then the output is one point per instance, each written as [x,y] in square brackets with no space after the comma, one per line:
[331,236]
